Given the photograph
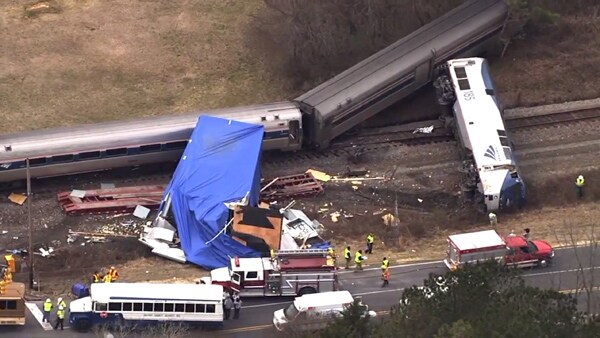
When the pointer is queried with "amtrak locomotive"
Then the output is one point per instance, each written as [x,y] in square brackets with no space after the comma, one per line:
[491,174]
[312,120]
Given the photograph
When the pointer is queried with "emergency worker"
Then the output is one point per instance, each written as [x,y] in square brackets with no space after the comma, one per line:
[114,274]
[386,277]
[493,219]
[107,278]
[385,264]
[60,302]
[347,256]
[526,233]
[331,253]
[579,183]
[60,318]
[358,258]
[47,310]
[96,278]
[370,240]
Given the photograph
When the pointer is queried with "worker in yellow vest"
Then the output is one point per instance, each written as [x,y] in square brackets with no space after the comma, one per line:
[331,253]
[60,302]
[579,183]
[347,256]
[114,274]
[107,278]
[370,240]
[385,264]
[358,258]
[96,278]
[47,310]
[60,318]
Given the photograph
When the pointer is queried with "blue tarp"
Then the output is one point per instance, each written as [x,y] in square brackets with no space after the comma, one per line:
[220,164]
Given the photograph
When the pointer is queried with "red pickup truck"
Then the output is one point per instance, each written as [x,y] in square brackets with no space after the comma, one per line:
[511,250]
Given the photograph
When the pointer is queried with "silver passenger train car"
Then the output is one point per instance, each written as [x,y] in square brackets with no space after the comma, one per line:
[395,72]
[62,151]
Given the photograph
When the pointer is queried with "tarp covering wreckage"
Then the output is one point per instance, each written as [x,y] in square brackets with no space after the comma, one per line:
[219,165]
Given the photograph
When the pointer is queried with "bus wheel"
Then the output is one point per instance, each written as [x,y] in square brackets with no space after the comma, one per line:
[83,325]
[307,290]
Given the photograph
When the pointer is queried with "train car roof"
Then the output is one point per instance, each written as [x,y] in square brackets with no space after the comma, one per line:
[386,66]
[125,133]
[480,111]
[106,292]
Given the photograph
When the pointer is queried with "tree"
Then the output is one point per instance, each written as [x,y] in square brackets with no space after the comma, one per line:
[485,300]
[354,323]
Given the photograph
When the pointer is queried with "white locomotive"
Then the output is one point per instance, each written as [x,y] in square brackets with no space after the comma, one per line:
[490,171]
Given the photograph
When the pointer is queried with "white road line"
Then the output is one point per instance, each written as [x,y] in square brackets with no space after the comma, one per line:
[561,271]
[344,271]
[264,305]
[37,314]
[376,292]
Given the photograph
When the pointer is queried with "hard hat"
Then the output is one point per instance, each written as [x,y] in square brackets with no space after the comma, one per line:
[580,176]
[48,300]
[59,299]
[112,267]
[60,307]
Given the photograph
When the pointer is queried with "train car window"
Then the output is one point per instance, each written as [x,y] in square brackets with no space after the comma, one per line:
[489,92]
[461,73]
[507,153]
[176,145]
[38,161]
[504,141]
[463,84]
[276,117]
[62,158]
[263,118]
[116,152]
[7,148]
[501,133]
[149,147]
[89,155]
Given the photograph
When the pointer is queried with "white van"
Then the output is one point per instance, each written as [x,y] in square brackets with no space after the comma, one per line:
[314,311]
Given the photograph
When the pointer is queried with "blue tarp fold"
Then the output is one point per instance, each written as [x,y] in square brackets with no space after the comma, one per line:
[220,164]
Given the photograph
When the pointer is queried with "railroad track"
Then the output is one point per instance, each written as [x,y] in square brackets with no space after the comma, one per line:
[552,119]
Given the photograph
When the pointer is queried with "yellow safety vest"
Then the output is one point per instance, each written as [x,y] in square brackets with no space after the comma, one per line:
[62,303]
[370,239]
[358,257]
[385,264]
[47,306]
[60,314]
[347,253]
[580,181]
[107,279]
[96,277]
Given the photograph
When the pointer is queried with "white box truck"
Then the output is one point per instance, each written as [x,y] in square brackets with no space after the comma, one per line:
[315,311]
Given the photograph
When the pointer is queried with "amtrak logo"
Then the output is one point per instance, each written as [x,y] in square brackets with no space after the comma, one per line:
[491,153]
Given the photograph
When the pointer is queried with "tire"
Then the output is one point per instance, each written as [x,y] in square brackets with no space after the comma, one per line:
[307,290]
[83,325]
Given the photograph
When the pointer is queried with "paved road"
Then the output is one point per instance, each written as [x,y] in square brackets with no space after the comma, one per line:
[567,273]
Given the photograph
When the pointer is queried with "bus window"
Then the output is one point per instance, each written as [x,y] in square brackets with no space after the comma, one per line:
[115,306]
[137,306]
[101,306]
[148,307]
[210,308]
[127,307]
[179,307]
[169,307]
[200,308]
[189,308]
[158,307]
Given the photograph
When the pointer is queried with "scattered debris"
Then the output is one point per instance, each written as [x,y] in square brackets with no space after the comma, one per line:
[420,200]
[4,232]
[141,212]
[319,175]
[424,130]
[388,219]
[17,198]
[110,200]
[355,172]
[335,216]
[107,186]
[99,234]
[46,253]
[293,186]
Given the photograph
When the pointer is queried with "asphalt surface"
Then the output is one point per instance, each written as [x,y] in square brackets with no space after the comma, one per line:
[574,270]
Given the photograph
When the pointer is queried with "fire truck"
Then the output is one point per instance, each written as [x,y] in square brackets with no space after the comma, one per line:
[285,273]
[512,250]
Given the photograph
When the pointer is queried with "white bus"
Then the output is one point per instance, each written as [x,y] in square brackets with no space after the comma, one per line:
[144,303]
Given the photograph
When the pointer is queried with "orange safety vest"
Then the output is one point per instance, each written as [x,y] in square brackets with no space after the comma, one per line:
[114,274]
[107,278]
[386,274]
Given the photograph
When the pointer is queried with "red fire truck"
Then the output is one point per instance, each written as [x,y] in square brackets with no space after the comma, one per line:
[515,251]
[285,273]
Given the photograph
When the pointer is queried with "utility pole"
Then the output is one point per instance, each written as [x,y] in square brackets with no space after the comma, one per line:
[30,249]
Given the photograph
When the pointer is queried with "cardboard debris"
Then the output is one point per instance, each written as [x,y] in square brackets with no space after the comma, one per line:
[335,216]
[424,130]
[17,198]
[319,175]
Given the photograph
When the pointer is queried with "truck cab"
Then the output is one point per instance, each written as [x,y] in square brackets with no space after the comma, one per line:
[525,253]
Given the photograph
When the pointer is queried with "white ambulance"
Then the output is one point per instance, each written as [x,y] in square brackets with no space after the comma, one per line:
[316,311]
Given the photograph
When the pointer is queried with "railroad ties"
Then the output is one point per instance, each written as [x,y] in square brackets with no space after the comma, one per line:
[114,200]
[293,186]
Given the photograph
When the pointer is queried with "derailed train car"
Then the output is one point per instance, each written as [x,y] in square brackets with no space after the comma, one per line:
[491,176]
[62,151]
[395,72]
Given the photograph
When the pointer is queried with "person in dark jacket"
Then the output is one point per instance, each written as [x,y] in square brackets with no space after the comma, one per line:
[227,306]
[237,305]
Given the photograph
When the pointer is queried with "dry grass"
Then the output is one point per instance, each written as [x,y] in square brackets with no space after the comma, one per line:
[103,60]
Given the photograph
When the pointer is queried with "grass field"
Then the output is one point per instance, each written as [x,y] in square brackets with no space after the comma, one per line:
[67,62]
[89,61]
